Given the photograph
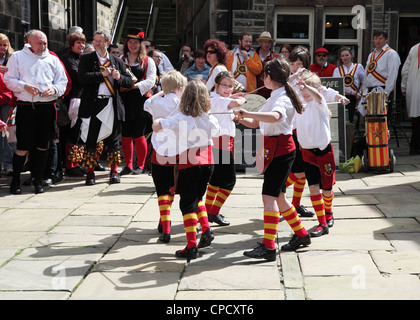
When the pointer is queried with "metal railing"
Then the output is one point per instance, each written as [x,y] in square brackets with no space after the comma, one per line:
[149,20]
[117,21]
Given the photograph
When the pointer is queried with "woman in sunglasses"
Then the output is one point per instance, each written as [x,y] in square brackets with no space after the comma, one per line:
[216,56]
[322,68]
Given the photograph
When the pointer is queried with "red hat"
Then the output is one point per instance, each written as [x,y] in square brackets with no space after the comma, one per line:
[321,50]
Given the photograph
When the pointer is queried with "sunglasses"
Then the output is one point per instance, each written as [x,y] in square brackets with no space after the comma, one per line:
[212,51]
[322,55]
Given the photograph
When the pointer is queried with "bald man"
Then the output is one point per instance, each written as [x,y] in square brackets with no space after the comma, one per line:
[37,78]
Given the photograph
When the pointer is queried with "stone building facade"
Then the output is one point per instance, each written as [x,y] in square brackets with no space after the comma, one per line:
[329,23]
[54,17]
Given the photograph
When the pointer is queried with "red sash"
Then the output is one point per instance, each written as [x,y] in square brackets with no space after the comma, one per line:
[373,63]
[223,143]
[196,157]
[349,78]
[273,147]
[240,68]
[108,83]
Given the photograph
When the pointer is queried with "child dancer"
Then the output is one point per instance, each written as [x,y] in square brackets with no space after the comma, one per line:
[162,105]
[275,122]
[314,136]
[193,128]
[223,178]
[299,61]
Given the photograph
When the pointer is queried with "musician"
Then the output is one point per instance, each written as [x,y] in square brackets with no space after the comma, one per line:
[381,67]
[245,63]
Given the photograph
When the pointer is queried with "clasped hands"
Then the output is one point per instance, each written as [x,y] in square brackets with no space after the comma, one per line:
[33,90]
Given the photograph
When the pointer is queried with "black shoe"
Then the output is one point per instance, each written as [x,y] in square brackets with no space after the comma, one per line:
[330,223]
[218,219]
[321,230]
[303,212]
[187,253]
[137,170]
[206,239]
[75,172]
[261,252]
[99,167]
[296,242]
[38,186]
[114,177]
[90,179]
[15,187]
[126,170]
[165,237]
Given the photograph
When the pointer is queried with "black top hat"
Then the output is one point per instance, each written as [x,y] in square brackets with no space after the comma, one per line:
[135,33]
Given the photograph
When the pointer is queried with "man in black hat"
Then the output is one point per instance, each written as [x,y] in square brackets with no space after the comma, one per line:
[101,109]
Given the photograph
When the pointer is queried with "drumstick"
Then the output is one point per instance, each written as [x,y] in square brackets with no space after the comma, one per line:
[256,90]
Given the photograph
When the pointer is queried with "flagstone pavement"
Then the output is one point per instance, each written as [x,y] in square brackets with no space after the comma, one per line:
[101,242]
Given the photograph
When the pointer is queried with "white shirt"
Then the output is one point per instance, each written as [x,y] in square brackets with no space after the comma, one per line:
[26,67]
[163,142]
[357,78]
[150,80]
[191,132]
[279,102]
[410,82]
[214,72]
[165,66]
[237,55]
[387,66]
[313,126]
[103,89]
[219,105]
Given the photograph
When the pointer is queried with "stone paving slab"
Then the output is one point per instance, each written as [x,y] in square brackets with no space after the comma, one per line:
[253,276]
[226,295]
[399,210]
[42,275]
[363,287]
[65,253]
[397,262]
[31,220]
[128,286]
[34,295]
[336,263]
[404,241]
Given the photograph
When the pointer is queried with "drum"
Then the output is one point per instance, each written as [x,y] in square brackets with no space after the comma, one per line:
[254,102]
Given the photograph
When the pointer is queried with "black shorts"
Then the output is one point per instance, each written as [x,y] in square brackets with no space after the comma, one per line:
[298,164]
[163,178]
[35,126]
[192,185]
[224,174]
[276,174]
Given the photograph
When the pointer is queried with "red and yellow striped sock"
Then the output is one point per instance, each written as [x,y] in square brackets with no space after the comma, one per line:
[210,197]
[292,218]
[297,191]
[202,217]
[328,205]
[165,202]
[318,204]
[271,222]
[221,196]
[291,179]
[190,225]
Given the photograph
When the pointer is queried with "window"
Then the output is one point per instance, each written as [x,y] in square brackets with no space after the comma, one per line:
[294,26]
[338,32]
